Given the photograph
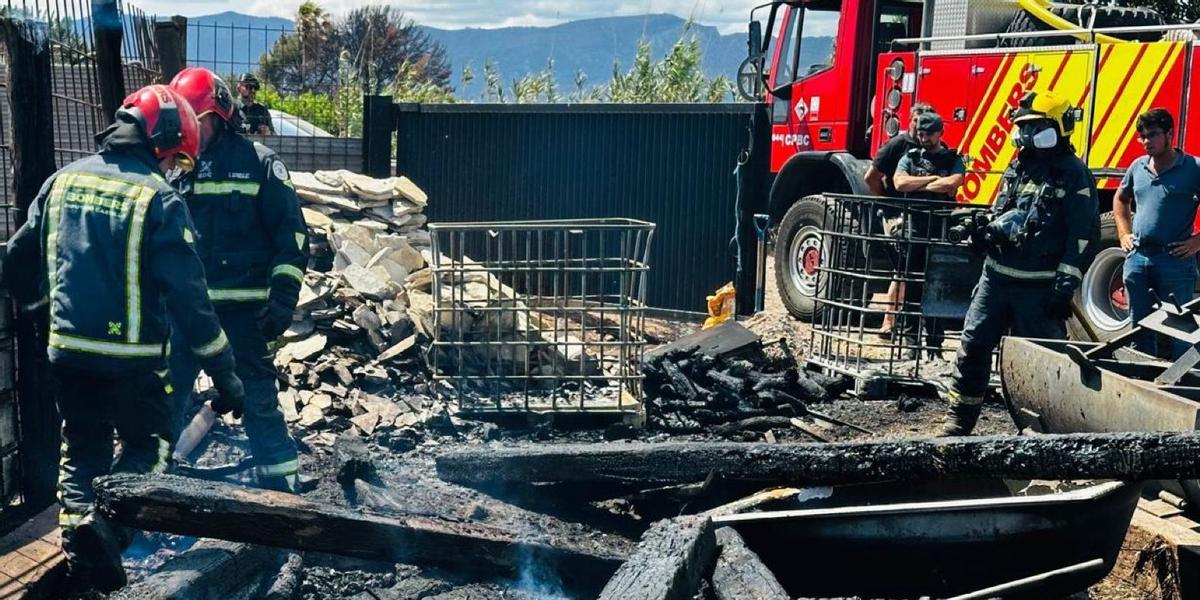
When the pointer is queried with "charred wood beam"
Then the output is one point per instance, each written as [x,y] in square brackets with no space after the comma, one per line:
[740,573]
[1128,456]
[217,510]
[210,569]
[668,564]
[287,583]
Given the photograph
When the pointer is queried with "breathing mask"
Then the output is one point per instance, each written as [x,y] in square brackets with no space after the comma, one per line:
[1040,134]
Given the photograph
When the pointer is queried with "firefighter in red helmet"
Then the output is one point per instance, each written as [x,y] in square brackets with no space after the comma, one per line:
[254,245]
[106,254]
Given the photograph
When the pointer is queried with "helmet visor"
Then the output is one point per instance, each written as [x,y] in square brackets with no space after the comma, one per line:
[184,163]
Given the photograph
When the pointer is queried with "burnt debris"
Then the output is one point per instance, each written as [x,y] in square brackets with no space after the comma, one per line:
[722,376]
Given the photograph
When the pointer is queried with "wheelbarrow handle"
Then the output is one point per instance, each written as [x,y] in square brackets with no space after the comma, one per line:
[761,224]
[1033,582]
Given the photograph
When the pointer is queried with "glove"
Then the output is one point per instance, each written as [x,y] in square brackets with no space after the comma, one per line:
[231,395]
[978,242]
[274,319]
[1059,307]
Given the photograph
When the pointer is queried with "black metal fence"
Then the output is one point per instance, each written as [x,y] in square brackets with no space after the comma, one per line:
[672,165]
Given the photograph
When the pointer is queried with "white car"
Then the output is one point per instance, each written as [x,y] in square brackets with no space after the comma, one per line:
[292,125]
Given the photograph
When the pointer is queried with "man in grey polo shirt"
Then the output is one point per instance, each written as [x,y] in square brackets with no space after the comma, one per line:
[1158,237]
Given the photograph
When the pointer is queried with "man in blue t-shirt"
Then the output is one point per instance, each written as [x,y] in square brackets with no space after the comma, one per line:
[1158,238]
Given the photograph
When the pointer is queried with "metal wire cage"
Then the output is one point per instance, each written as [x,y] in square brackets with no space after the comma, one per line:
[873,245]
[540,316]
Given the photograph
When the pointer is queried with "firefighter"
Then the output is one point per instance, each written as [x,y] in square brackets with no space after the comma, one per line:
[1041,226]
[107,252]
[253,242]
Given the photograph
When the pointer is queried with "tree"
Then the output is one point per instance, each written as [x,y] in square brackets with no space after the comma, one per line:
[307,59]
[1173,11]
[382,45]
[677,77]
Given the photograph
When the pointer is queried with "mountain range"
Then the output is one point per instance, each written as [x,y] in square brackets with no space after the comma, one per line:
[232,42]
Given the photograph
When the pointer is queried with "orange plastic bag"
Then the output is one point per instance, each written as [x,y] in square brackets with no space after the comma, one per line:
[720,305]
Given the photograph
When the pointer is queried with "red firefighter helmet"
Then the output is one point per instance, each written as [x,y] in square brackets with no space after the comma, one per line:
[168,122]
[205,91]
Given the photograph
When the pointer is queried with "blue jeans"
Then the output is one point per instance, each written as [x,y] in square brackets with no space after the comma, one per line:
[1159,271]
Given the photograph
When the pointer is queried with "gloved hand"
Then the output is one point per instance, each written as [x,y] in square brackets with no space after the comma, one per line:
[231,395]
[274,319]
[978,242]
[1059,307]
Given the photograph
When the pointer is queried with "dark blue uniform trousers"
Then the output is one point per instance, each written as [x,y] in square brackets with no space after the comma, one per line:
[999,304]
[272,445]
[93,406]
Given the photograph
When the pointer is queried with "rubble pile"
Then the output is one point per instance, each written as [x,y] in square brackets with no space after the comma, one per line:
[357,354]
[348,360]
[689,391]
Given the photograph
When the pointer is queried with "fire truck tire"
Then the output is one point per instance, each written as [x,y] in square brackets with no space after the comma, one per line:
[1106,16]
[798,253]
[1101,296]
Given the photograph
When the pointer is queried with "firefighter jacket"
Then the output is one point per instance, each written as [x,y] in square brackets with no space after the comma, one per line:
[108,246]
[252,238]
[1048,215]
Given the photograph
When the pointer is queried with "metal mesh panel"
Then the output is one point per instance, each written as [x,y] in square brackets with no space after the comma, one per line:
[869,244]
[540,315]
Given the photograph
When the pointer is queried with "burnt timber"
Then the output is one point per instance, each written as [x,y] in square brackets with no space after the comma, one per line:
[668,564]
[217,510]
[1128,456]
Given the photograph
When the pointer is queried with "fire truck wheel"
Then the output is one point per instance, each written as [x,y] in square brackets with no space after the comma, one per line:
[1101,297]
[798,254]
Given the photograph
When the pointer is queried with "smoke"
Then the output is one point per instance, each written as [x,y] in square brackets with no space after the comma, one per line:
[536,578]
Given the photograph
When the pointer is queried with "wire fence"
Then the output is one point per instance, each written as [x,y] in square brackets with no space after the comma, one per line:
[28,421]
[317,130]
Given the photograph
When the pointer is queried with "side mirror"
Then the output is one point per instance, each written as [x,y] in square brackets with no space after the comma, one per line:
[755,39]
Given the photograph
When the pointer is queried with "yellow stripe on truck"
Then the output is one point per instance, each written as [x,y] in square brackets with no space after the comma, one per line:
[1142,68]
[990,148]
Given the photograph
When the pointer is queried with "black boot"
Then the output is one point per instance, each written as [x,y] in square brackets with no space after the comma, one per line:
[963,418]
[93,551]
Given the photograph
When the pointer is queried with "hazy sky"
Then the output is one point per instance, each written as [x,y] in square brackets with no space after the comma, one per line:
[729,15]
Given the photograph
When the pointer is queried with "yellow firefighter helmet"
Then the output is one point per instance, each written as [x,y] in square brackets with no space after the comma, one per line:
[1047,105]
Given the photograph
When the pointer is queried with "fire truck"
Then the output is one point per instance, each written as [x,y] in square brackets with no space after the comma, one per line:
[972,60]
